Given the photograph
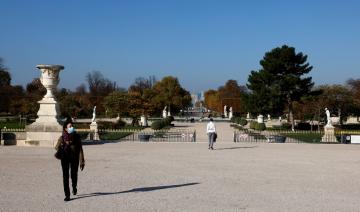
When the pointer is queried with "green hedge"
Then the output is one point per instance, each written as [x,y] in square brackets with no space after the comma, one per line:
[12,125]
[111,125]
[159,124]
[239,120]
[257,126]
[114,135]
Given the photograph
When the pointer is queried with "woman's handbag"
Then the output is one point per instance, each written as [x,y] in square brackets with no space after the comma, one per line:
[59,154]
[215,137]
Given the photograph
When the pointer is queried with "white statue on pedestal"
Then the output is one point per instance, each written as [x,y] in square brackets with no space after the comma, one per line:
[248,115]
[230,113]
[164,114]
[94,114]
[328,118]
[225,111]
[269,117]
[329,130]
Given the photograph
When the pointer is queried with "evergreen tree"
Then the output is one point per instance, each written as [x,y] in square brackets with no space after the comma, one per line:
[280,81]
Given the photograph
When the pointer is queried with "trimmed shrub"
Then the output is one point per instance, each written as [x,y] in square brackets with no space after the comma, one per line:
[168,120]
[260,126]
[303,126]
[157,125]
[252,124]
[242,122]
[284,126]
[111,125]
[233,119]
[350,127]
[257,126]
[105,125]
[119,124]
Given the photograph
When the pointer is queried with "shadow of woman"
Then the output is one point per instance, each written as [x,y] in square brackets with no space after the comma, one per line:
[142,189]
[243,147]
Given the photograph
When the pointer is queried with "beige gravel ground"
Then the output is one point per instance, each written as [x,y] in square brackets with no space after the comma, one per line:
[134,176]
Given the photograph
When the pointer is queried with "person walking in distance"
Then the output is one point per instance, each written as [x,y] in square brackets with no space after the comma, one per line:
[211,132]
[72,156]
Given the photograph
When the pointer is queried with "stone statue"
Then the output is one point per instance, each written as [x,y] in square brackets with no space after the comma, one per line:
[164,112]
[230,112]
[329,130]
[328,118]
[94,114]
[248,115]
[269,117]
[225,111]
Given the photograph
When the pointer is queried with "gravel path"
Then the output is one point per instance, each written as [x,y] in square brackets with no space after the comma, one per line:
[134,176]
[224,131]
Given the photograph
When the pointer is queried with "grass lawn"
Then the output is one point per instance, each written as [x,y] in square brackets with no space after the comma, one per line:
[12,125]
[114,135]
[305,137]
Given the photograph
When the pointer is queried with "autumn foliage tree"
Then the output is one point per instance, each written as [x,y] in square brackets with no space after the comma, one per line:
[231,94]
[212,100]
[170,93]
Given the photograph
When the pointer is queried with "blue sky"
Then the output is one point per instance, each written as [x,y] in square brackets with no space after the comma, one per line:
[203,43]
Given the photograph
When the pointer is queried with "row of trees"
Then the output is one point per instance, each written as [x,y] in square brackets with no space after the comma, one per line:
[147,97]
[143,97]
[282,85]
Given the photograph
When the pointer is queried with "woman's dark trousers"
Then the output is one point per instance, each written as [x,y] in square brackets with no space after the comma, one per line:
[73,165]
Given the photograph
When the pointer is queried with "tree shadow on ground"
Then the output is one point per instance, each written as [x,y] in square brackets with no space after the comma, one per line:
[143,189]
[242,147]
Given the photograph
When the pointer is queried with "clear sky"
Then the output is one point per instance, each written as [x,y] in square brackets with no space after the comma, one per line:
[202,42]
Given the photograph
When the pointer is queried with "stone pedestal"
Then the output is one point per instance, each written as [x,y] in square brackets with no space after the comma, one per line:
[46,129]
[230,115]
[260,119]
[94,134]
[329,136]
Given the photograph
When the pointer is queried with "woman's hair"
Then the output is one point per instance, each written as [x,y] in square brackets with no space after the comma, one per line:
[211,119]
[68,121]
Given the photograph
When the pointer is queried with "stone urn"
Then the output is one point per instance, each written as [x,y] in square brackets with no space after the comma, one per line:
[46,129]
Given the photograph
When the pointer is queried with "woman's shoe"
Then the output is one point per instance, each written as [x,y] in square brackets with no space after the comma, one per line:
[67,199]
[74,191]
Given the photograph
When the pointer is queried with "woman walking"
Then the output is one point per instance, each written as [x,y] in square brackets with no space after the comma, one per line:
[211,131]
[72,156]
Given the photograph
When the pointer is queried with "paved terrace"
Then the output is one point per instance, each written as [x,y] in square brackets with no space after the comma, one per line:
[134,176]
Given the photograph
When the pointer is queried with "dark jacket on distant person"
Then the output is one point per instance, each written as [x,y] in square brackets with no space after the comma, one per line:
[74,150]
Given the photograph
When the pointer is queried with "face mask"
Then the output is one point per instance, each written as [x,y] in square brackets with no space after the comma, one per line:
[70,130]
